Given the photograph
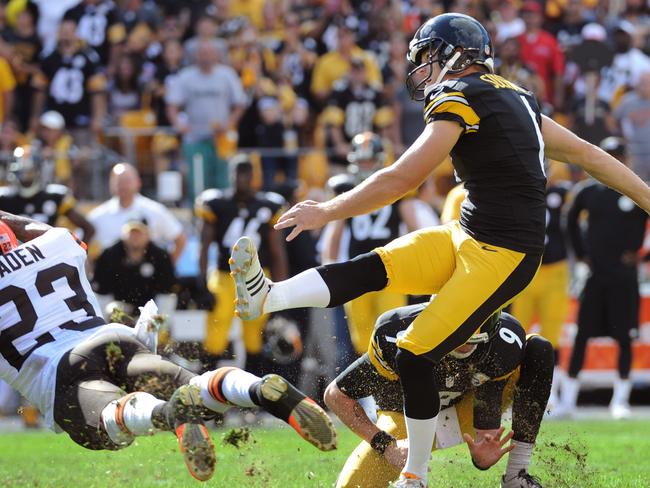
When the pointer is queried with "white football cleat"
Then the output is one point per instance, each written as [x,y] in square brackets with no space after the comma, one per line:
[251,285]
[408,480]
[522,480]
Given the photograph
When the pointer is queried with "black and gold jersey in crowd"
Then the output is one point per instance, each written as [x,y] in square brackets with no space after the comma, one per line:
[45,206]
[555,241]
[357,111]
[232,219]
[374,229]
[487,368]
[99,26]
[70,81]
[499,158]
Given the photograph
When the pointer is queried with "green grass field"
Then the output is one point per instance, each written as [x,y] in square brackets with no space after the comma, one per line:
[584,454]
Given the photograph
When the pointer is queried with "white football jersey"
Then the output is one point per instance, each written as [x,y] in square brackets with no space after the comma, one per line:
[47,307]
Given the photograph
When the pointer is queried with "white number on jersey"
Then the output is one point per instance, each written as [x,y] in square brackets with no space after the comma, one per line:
[510,337]
[28,317]
[538,132]
[238,227]
[447,396]
[364,227]
[358,117]
[67,85]
[92,29]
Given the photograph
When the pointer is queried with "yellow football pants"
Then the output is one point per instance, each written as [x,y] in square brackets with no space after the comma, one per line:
[547,298]
[219,320]
[362,313]
[365,468]
[472,280]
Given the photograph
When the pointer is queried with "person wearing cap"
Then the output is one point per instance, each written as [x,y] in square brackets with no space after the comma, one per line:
[56,145]
[540,50]
[631,116]
[225,215]
[626,68]
[609,303]
[134,270]
[334,65]
[127,204]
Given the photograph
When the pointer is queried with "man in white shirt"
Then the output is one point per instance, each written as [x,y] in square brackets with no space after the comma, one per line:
[126,205]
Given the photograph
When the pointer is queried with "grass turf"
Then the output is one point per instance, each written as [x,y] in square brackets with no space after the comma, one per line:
[594,454]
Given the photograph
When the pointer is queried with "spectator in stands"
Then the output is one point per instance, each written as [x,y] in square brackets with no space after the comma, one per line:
[72,83]
[609,304]
[355,106]
[128,204]
[633,117]
[134,270]
[334,65]
[25,48]
[99,24]
[510,65]
[206,30]
[568,30]
[7,88]
[510,23]
[211,95]
[56,147]
[50,15]
[124,91]
[166,70]
[624,72]
[296,57]
[541,52]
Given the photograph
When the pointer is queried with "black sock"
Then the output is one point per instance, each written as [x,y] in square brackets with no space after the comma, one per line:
[421,396]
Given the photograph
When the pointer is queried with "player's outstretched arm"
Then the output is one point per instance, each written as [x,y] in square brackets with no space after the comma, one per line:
[382,188]
[563,145]
[25,229]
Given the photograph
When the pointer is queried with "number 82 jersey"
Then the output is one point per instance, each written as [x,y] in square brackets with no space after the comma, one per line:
[46,308]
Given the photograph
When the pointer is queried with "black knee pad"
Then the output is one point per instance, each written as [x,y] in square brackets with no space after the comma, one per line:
[351,279]
[421,396]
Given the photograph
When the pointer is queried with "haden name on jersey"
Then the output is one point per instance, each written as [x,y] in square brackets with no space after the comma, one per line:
[19,258]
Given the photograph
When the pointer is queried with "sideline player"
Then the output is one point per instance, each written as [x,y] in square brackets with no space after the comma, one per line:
[498,140]
[97,382]
[367,232]
[479,381]
[28,195]
[225,216]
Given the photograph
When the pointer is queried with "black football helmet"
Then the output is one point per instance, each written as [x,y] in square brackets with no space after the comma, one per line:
[454,41]
[25,173]
[366,156]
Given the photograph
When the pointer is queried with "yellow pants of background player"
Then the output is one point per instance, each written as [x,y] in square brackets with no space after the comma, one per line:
[220,318]
[547,298]
[471,280]
[362,313]
[365,468]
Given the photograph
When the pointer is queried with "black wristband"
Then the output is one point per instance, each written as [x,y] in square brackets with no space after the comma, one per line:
[380,441]
[479,467]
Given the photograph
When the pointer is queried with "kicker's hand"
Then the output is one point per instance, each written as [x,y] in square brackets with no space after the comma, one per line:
[305,215]
[396,453]
[488,447]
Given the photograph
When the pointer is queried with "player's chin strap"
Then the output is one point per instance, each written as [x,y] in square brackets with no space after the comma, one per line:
[448,65]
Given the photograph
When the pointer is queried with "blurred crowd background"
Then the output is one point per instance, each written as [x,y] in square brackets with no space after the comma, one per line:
[135,107]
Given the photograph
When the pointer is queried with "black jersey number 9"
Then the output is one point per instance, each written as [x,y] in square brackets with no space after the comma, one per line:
[28,316]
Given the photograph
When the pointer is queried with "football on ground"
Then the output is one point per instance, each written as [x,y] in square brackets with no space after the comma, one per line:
[588,454]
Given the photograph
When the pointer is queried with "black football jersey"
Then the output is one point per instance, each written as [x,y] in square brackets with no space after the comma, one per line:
[615,225]
[70,81]
[494,360]
[555,241]
[232,219]
[372,230]
[499,157]
[45,206]
[358,109]
[99,26]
